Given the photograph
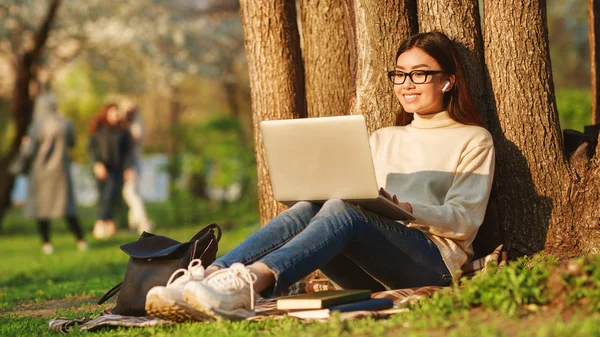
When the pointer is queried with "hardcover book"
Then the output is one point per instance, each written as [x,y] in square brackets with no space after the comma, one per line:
[322,299]
[369,305]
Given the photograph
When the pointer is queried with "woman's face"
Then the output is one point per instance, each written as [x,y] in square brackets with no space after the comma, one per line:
[424,98]
[112,116]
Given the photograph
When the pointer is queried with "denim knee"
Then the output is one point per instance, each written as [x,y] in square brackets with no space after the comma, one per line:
[336,207]
[302,209]
[299,214]
[335,204]
[302,206]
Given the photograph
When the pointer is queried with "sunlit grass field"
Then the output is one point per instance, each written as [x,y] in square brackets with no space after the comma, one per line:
[34,288]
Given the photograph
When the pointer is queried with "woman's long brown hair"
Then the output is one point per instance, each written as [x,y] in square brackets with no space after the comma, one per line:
[100,119]
[458,100]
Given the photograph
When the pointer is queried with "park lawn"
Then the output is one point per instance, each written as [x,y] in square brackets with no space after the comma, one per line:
[514,301]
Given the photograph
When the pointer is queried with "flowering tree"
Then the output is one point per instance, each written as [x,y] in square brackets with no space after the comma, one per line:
[155,44]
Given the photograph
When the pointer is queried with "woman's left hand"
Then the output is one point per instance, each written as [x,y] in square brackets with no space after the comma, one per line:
[403,205]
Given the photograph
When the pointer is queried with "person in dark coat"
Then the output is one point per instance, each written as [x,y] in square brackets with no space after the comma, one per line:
[50,190]
[110,153]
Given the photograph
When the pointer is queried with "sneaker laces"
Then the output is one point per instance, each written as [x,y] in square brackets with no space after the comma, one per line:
[234,278]
[195,271]
[175,276]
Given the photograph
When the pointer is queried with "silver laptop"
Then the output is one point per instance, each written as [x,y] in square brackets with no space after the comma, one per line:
[317,159]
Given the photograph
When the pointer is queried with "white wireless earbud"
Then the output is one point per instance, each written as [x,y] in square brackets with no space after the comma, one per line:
[445,88]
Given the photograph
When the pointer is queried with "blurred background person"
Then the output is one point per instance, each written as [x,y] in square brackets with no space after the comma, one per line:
[137,216]
[50,190]
[110,151]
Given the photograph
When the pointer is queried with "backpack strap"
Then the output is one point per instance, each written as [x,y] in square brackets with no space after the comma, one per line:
[212,227]
[112,292]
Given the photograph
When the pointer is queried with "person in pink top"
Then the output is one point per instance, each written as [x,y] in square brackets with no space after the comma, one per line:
[438,164]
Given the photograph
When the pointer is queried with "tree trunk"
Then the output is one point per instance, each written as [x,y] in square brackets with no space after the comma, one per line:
[460,21]
[380,27]
[21,107]
[350,28]
[594,34]
[272,45]
[326,58]
[533,180]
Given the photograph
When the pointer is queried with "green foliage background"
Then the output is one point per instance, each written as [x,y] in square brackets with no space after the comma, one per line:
[80,93]
[574,108]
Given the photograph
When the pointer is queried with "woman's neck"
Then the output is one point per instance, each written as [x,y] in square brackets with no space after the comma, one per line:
[432,121]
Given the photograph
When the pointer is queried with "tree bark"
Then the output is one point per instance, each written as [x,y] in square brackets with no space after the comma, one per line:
[272,46]
[594,35]
[326,58]
[350,28]
[21,107]
[380,27]
[533,180]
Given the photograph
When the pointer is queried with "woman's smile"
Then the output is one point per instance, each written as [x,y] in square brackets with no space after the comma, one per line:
[408,98]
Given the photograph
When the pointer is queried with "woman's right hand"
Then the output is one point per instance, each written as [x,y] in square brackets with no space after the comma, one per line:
[403,205]
[100,171]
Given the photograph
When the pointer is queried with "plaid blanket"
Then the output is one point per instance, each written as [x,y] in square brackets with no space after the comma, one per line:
[267,308]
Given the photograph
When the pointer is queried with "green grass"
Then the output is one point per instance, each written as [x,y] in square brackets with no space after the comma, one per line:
[574,108]
[511,301]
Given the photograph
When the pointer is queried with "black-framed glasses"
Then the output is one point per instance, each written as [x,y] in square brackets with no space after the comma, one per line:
[416,76]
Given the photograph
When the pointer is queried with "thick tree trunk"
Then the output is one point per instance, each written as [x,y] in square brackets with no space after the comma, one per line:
[21,107]
[350,28]
[533,181]
[594,34]
[272,46]
[326,58]
[380,28]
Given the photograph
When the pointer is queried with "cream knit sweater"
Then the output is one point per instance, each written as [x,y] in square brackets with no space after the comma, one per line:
[444,169]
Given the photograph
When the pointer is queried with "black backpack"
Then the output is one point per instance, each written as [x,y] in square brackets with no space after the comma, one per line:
[153,259]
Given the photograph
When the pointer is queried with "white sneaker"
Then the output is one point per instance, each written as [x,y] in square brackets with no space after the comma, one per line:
[99,232]
[47,248]
[104,230]
[167,302]
[228,293]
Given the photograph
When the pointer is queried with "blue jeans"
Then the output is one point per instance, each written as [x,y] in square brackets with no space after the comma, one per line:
[353,247]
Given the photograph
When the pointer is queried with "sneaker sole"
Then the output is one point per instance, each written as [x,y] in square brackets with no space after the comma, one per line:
[191,300]
[173,311]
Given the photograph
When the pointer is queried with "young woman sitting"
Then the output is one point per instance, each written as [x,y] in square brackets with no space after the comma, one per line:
[437,164]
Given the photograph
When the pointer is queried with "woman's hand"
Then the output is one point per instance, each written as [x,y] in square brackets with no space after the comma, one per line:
[100,171]
[403,205]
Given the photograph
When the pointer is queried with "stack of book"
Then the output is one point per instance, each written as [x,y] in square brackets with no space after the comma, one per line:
[319,305]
